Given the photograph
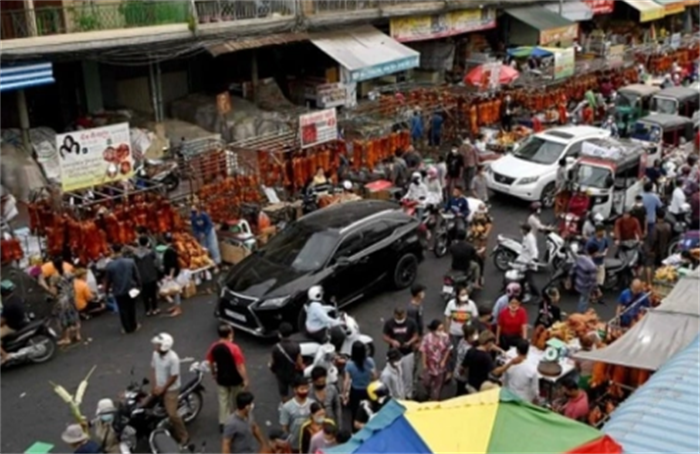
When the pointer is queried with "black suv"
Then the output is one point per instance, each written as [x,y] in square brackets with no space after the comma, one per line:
[349,249]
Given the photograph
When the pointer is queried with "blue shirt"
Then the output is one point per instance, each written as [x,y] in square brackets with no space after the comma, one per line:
[602,244]
[201,224]
[89,448]
[360,378]
[458,205]
[501,303]
[651,202]
[626,299]
[436,124]
[416,126]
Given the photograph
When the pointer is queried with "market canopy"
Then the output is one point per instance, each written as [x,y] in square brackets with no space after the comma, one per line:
[366,53]
[551,26]
[648,9]
[529,51]
[672,6]
[22,76]
[487,422]
[575,10]
[662,332]
[663,415]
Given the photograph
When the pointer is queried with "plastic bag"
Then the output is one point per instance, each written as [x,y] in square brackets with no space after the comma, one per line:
[169,287]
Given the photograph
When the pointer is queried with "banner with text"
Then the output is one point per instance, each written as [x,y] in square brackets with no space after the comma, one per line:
[319,127]
[566,33]
[601,6]
[93,157]
[419,28]
[564,63]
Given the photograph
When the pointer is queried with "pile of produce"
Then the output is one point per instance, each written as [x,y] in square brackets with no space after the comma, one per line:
[190,254]
[506,138]
[222,199]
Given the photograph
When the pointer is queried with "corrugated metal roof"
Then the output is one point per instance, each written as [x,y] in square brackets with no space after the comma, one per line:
[538,17]
[664,414]
[575,10]
[255,42]
[683,299]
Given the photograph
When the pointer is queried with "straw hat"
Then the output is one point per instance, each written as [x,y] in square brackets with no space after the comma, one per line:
[74,434]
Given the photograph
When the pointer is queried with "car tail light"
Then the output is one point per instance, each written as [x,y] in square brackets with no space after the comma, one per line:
[448,281]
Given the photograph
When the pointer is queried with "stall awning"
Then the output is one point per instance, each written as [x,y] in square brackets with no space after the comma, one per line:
[235,45]
[662,332]
[25,76]
[575,11]
[366,53]
[672,6]
[666,404]
[552,26]
[648,9]
[601,6]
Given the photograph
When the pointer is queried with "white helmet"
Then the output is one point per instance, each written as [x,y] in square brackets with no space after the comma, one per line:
[165,341]
[347,185]
[416,176]
[315,293]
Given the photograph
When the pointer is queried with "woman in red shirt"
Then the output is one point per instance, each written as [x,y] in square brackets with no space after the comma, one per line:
[512,325]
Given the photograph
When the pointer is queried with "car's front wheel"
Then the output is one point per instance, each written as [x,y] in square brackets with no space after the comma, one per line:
[406,271]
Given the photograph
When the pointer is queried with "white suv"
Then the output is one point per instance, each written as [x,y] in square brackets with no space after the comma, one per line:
[529,172]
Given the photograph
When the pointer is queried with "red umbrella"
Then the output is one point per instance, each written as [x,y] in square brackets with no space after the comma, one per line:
[481,75]
[604,445]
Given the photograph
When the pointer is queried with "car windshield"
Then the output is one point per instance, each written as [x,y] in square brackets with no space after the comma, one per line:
[665,106]
[646,132]
[593,176]
[540,151]
[626,99]
[300,247]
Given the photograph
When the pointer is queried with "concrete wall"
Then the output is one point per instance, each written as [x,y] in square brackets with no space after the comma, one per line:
[136,93]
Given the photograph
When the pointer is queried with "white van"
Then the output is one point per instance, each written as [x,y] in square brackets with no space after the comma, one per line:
[530,171]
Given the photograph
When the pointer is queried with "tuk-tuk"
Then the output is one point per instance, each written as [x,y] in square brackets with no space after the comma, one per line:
[632,103]
[676,101]
[612,172]
[663,130]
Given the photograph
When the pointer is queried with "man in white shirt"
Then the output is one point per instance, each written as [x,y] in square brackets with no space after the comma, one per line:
[521,378]
[678,199]
[529,255]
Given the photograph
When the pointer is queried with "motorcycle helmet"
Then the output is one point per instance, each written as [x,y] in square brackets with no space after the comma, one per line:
[377,392]
[416,178]
[535,206]
[347,185]
[513,290]
[164,340]
[598,219]
[315,293]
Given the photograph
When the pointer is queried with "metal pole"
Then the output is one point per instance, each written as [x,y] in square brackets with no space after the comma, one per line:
[254,74]
[159,86]
[561,7]
[30,17]
[154,91]
[24,120]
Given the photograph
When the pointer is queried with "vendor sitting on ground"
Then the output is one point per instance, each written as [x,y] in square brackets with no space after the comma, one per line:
[85,300]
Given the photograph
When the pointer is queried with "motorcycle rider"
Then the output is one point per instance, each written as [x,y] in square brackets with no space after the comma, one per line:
[379,396]
[465,258]
[434,187]
[534,220]
[103,426]
[529,256]
[14,317]
[459,205]
[319,324]
[165,377]
[418,193]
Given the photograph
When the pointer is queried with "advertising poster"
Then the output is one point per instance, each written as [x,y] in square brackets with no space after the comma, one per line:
[564,63]
[418,28]
[93,157]
[319,127]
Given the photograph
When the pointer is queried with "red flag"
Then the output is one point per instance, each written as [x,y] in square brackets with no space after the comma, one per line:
[604,445]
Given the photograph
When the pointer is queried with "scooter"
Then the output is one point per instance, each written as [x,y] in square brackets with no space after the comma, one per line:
[619,272]
[159,441]
[165,172]
[352,335]
[327,358]
[448,223]
[139,410]
[452,280]
[35,343]
[516,274]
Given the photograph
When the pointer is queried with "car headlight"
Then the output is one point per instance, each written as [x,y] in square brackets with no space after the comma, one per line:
[273,302]
[527,180]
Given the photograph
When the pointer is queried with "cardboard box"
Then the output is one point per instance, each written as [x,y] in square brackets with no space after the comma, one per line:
[232,253]
[189,291]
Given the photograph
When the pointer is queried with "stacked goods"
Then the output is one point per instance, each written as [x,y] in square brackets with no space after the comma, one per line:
[294,168]
[505,139]
[664,280]
[369,153]
[190,254]
[222,199]
[10,250]
[113,222]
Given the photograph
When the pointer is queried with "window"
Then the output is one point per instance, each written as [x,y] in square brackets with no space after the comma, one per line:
[593,176]
[350,246]
[377,232]
[300,247]
[539,151]
[574,150]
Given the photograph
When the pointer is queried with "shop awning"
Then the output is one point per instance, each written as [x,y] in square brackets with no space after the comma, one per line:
[648,9]
[662,332]
[552,26]
[235,45]
[601,6]
[666,404]
[25,76]
[366,53]
[672,6]
[575,11]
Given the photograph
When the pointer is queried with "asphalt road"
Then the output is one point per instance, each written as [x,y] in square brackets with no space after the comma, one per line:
[31,411]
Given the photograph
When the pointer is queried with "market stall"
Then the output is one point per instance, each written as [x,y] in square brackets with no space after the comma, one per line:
[662,415]
[498,422]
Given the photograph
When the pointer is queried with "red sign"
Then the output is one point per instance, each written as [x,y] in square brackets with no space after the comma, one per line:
[601,6]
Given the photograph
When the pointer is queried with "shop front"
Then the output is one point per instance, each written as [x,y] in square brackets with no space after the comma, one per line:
[575,11]
[537,25]
[674,14]
[365,53]
[646,10]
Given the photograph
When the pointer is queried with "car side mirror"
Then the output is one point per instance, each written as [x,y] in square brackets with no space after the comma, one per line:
[343,262]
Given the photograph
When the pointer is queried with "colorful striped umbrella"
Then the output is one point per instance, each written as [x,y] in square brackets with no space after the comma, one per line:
[494,421]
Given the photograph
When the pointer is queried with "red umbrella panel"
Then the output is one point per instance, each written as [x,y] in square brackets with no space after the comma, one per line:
[482,75]
[603,445]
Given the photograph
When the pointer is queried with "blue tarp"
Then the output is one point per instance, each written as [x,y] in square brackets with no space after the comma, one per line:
[663,416]
[525,51]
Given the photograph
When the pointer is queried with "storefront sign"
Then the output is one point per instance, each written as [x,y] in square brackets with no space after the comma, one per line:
[650,12]
[93,157]
[601,6]
[554,35]
[564,63]
[330,95]
[404,29]
[383,69]
[675,41]
[318,127]
[674,8]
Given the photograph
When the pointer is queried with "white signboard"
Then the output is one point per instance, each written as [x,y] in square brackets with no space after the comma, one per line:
[319,127]
[331,95]
[92,157]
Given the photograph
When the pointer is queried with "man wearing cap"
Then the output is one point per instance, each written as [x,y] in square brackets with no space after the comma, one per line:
[103,427]
[79,441]
[165,377]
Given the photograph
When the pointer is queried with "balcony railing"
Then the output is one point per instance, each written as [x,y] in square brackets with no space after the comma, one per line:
[91,16]
[233,10]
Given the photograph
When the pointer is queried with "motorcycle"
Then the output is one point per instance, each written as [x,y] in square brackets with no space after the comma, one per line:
[559,250]
[310,349]
[145,413]
[165,172]
[447,224]
[427,220]
[680,224]
[516,274]
[160,441]
[619,272]
[507,250]
[35,343]
[452,280]
[327,358]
